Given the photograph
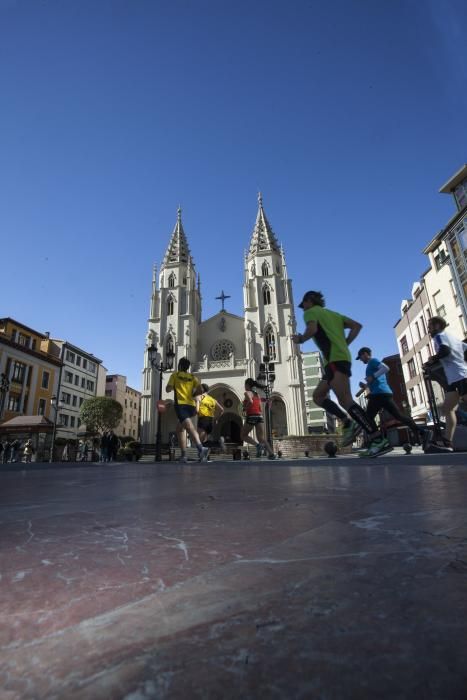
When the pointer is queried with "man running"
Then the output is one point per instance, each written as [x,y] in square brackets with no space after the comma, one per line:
[207,408]
[186,386]
[452,354]
[381,396]
[327,328]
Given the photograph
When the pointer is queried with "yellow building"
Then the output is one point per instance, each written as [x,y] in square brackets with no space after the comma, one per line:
[30,367]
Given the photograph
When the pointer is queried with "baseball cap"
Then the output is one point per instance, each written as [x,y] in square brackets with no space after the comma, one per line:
[364,349]
[311,296]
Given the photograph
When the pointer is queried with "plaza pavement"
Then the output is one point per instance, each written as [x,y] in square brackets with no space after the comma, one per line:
[320,578]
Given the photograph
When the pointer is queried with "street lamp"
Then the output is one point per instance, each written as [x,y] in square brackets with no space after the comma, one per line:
[155,360]
[267,375]
[56,404]
[4,388]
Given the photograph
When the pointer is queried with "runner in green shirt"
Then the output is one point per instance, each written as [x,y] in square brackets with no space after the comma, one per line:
[327,328]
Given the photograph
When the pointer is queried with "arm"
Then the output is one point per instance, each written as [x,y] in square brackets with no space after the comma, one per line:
[443,351]
[310,331]
[248,398]
[219,408]
[355,328]
[382,369]
[170,386]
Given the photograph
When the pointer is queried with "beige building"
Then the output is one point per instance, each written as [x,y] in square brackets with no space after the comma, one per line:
[130,400]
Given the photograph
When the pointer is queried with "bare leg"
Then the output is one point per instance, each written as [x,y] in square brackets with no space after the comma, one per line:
[245,434]
[181,434]
[451,402]
[340,384]
[262,439]
[188,425]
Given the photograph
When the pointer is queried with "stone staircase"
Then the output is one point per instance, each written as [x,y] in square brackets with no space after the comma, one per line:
[214,456]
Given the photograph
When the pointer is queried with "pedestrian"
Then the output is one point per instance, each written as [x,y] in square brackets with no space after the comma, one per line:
[66,453]
[81,451]
[104,447]
[452,353]
[328,330]
[6,451]
[252,409]
[381,396]
[14,447]
[113,446]
[27,451]
[186,387]
[209,410]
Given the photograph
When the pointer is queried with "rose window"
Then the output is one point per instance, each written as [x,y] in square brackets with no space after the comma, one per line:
[222,350]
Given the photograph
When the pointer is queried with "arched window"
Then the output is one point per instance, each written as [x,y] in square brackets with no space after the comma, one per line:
[266,294]
[265,269]
[172,280]
[170,306]
[169,346]
[270,343]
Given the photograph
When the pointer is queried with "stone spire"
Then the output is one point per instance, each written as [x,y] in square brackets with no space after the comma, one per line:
[178,250]
[263,238]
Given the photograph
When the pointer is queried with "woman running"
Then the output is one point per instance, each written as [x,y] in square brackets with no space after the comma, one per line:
[254,419]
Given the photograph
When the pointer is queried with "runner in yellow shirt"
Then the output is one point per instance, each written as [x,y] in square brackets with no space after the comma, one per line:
[208,411]
[186,386]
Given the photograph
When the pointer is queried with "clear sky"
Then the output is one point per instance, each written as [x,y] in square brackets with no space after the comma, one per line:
[348,116]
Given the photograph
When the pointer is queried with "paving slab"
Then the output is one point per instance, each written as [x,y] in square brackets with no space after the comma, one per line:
[314,578]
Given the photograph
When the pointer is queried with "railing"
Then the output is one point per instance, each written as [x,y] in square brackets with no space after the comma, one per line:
[229,363]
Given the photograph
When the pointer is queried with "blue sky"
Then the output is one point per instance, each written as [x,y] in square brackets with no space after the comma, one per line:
[348,116]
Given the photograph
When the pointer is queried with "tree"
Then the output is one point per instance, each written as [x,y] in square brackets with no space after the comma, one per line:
[101,413]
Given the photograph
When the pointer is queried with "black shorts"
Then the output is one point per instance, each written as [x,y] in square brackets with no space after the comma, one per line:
[254,420]
[184,411]
[205,423]
[341,366]
[460,387]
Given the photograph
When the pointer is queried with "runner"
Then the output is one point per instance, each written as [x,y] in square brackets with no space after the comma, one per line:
[207,407]
[254,419]
[186,386]
[327,328]
[452,354]
[381,396]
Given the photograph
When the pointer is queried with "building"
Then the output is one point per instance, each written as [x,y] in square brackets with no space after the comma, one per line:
[82,377]
[396,381]
[31,370]
[226,349]
[130,401]
[317,419]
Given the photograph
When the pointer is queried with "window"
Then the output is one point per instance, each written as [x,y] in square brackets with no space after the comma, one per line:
[265,269]
[89,385]
[45,380]
[404,345]
[170,306]
[72,421]
[24,340]
[63,419]
[266,295]
[69,377]
[19,370]
[460,194]
[422,321]
[75,400]
[79,422]
[66,398]
[81,400]
[76,379]
[412,397]
[412,370]
[441,311]
[420,397]
[172,280]
[270,343]
[462,322]
[85,363]
[78,360]
[14,403]
[440,259]
[454,294]
[91,367]
[41,409]
[83,383]
[70,356]
[417,327]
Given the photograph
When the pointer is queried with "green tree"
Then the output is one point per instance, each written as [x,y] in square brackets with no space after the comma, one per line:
[101,413]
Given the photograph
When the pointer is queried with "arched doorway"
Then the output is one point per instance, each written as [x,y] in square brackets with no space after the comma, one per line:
[229,426]
[278,417]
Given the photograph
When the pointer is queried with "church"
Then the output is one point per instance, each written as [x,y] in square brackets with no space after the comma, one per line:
[225,349]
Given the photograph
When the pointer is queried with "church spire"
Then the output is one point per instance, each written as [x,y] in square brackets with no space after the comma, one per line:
[263,238]
[178,250]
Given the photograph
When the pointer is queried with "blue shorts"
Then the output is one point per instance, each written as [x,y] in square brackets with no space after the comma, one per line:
[184,411]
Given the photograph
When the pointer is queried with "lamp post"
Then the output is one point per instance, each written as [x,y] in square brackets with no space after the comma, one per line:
[267,375]
[155,360]
[4,388]
[56,404]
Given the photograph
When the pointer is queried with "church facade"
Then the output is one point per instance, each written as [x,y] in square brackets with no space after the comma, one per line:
[225,349]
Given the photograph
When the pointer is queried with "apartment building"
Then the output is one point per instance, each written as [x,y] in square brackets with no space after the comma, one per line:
[130,400]
[317,419]
[83,377]
[31,371]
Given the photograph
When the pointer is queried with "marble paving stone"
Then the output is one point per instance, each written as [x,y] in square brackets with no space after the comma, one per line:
[327,579]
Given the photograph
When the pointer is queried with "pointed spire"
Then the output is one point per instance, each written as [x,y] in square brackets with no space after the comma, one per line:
[178,250]
[263,237]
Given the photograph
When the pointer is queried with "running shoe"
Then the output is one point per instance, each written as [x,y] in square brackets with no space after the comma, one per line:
[183,459]
[259,450]
[377,448]
[203,455]
[350,433]
[439,449]
[272,456]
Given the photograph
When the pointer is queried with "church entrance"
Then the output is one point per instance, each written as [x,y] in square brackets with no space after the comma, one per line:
[278,417]
[229,426]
